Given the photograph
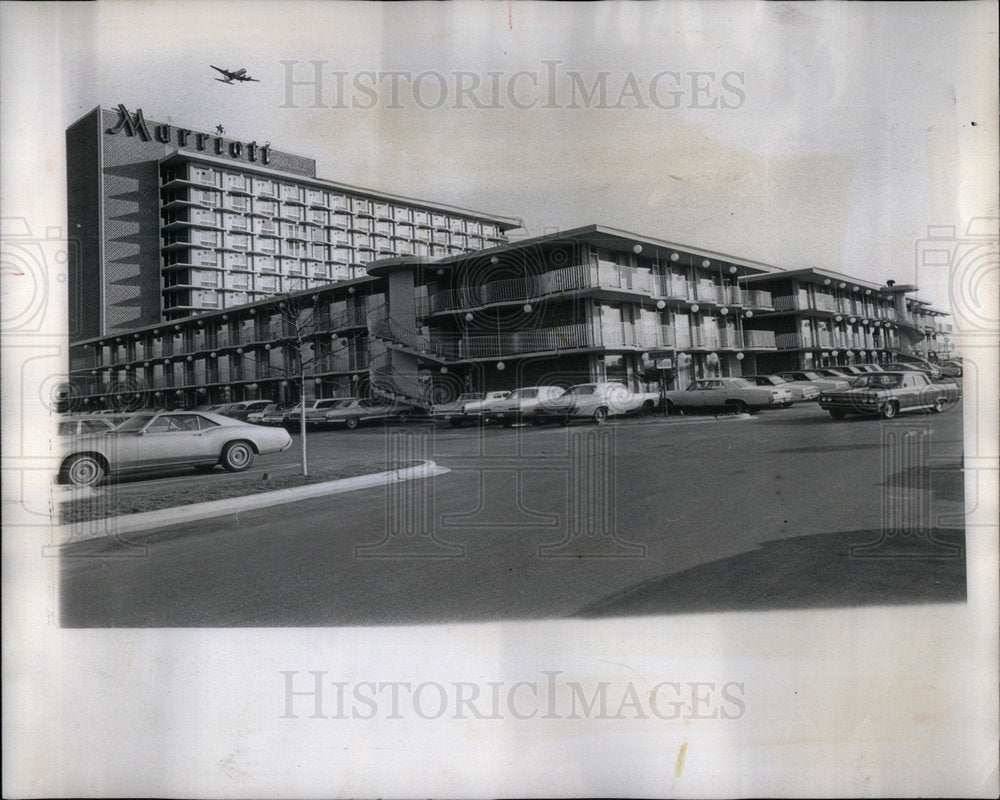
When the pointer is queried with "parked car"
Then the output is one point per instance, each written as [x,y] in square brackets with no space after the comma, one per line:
[243,409]
[316,409]
[521,404]
[257,417]
[454,411]
[476,411]
[733,394]
[596,401]
[925,368]
[889,393]
[801,390]
[352,412]
[821,382]
[84,424]
[950,369]
[169,439]
[870,368]
[278,413]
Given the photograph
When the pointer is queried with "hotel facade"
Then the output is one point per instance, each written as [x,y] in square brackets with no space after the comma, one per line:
[223,270]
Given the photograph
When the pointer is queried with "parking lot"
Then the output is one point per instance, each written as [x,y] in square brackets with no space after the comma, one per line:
[652,515]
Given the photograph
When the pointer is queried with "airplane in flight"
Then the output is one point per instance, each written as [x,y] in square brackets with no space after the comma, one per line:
[238,75]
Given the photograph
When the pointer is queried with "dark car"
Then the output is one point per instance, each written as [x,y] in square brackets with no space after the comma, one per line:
[887,394]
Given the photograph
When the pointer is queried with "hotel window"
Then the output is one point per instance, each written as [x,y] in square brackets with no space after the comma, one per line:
[291,193]
[297,249]
[207,239]
[238,261]
[267,207]
[266,246]
[338,202]
[294,268]
[342,254]
[239,281]
[264,263]
[204,197]
[439,221]
[401,214]
[340,237]
[265,188]
[239,241]
[319,217]
[209,177]
[267,283]
[206,258]
[293,213]
[237,298]
[208,299]
[420,217]
[457,225]
[238,182]
[359,206]
[383,228]
[316,196]
[320,271]
[382,209]
[207,278]
[363,241]
[239,224]
[268,227]
[319,251]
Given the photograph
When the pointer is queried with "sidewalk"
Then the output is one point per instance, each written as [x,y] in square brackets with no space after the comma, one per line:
[130,523]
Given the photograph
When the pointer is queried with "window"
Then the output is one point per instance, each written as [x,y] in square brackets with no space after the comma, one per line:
[174,423]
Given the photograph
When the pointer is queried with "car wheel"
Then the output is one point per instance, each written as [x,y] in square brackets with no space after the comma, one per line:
[237,456]
[836,413]
[939,405]
[600,415]
[647,408]
[737,406]
[351,423]
[83,470]
[890,410]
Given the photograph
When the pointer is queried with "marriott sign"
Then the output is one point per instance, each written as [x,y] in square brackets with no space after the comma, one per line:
[135,125]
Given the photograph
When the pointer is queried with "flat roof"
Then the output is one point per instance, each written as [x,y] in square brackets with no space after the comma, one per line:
[505,223]
[617,239]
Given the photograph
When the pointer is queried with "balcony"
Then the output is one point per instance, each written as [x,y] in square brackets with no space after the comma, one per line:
[757,300]
[513,290]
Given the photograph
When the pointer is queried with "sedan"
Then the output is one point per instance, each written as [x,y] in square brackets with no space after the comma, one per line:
[801,390]
[352,411]
[731,394]
[819,381]
[169,439]
[242,410]
[522,403]
[889,393]
[89,423]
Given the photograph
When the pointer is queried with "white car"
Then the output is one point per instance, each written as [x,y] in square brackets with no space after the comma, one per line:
[521,404]
[477,409]
[597,401]
[153,440]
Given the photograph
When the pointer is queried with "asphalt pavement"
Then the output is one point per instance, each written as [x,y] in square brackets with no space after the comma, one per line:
[783,509]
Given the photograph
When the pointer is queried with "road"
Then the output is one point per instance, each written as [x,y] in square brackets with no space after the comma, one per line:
[663,515]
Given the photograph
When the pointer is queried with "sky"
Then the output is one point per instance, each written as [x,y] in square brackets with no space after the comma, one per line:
[823,134]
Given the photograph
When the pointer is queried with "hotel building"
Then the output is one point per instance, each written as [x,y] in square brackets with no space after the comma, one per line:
[255,274]
[173,222]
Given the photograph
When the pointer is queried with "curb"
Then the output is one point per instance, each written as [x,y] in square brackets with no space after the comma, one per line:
[130,523]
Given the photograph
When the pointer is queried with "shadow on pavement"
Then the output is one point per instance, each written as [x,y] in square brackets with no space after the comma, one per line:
[816,571]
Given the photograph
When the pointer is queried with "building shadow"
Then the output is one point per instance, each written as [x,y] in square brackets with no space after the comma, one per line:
[815,571]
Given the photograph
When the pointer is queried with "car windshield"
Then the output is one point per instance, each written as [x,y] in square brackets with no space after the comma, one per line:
[886,381]
[583,389]
[469,396]
[520,393]
[742,382]
[135,423]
